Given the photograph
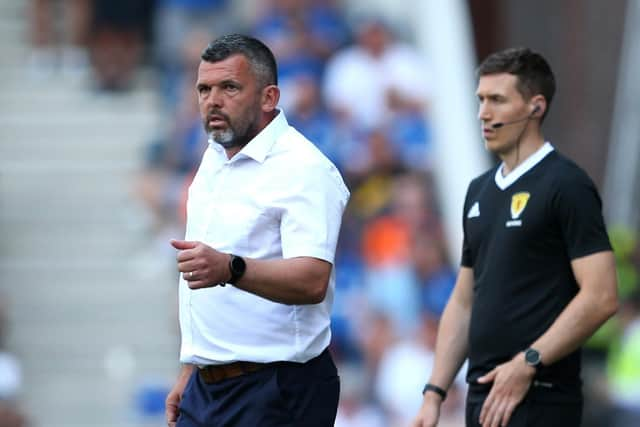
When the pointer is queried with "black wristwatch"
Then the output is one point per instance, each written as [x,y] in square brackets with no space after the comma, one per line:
[437,390]
[532,358]
[237,266]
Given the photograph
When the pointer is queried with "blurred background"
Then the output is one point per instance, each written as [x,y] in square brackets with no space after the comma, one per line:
[100,136]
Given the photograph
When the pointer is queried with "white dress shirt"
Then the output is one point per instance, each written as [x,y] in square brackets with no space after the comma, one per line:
[279,197]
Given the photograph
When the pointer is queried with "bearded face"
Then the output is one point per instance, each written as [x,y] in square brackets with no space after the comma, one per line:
[231,132]
[230,101]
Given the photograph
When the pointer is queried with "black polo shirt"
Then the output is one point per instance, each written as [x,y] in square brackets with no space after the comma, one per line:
[520,235]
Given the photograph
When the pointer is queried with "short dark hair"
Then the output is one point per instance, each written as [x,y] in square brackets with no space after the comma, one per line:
[532,70]
[260,57]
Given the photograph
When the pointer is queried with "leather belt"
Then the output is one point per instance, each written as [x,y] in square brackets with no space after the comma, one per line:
[211,374]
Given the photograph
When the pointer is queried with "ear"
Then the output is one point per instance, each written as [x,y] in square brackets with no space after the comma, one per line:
[538,106]
[270,98]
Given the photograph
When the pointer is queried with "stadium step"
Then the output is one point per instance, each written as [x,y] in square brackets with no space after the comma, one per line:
[92,309]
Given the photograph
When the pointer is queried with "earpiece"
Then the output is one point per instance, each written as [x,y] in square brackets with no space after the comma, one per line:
[536,109]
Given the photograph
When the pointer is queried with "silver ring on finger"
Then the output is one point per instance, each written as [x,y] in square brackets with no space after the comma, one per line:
[190,275]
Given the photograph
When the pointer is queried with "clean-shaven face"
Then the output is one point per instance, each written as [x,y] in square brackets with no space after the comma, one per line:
[500,102]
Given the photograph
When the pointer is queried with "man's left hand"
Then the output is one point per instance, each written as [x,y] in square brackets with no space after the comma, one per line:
[511,380]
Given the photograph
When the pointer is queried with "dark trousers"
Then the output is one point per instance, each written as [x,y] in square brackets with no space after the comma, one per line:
[283,394]
[530,413]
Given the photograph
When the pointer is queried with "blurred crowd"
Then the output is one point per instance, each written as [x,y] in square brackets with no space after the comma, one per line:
[356,86]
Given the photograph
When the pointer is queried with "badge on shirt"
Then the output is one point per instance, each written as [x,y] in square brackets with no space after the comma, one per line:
[518,203]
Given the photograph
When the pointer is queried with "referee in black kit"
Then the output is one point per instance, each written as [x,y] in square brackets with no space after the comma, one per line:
[538,274]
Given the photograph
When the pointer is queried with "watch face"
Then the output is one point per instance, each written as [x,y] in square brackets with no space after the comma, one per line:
[238,265]
[532,357]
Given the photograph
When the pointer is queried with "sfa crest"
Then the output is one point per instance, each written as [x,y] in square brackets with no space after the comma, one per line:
[518,203]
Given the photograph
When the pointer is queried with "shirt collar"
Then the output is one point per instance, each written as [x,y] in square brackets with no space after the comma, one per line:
[258,148]
[505,181]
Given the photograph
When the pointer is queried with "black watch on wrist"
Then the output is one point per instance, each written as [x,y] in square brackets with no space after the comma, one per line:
[532,358]
[437,390]
[237,266]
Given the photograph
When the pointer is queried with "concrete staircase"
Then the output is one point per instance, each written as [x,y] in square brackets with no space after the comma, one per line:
[92,312]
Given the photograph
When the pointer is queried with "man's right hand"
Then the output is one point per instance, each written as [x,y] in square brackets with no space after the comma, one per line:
[429,411]
[172,403]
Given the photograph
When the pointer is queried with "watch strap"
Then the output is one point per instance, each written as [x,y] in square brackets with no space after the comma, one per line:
[434,388]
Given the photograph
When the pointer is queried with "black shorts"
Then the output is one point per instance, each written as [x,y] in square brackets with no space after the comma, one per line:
[531,413]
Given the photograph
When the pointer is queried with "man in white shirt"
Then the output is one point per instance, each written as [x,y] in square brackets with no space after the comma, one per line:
[256,289]
[366,82]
